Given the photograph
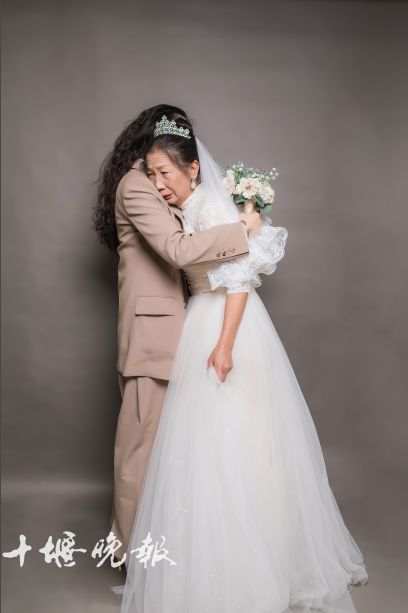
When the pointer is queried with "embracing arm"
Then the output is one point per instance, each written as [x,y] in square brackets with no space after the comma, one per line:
[166,236]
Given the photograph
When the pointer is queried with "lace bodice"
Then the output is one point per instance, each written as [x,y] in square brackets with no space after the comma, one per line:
[266,247]
[199,214]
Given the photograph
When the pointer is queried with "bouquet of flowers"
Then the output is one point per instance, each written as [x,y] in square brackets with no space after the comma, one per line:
[251,187]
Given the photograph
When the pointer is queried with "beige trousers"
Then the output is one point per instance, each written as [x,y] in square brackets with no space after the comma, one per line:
[142,401]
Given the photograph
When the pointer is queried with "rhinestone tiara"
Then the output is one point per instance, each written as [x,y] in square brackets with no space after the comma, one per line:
[164,126]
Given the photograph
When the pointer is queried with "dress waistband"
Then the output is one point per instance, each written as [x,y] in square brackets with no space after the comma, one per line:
[197,291]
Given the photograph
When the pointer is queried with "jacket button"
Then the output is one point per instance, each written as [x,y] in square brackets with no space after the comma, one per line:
[224,253]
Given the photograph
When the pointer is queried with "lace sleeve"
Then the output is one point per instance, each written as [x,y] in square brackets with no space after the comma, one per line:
[266,249]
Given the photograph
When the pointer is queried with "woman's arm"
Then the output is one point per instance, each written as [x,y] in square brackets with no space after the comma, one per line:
[221,356]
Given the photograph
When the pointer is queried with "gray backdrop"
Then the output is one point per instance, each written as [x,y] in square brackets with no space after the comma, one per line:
[317,89]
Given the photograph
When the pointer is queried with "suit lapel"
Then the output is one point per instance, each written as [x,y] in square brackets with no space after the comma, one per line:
[175,211]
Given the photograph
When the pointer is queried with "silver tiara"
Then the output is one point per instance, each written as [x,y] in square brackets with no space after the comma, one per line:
[164,126]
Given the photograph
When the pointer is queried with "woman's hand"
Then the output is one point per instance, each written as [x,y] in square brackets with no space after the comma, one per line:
[221,360]
[252,218]
[221,356]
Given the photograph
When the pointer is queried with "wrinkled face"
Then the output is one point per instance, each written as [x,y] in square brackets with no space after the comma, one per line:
[173,183]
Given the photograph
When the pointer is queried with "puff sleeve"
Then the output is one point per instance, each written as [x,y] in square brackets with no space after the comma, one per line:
[266,249]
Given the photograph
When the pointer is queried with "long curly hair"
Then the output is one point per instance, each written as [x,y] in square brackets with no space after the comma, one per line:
[132,143]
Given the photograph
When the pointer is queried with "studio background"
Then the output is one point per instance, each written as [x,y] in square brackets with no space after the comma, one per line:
[317,89]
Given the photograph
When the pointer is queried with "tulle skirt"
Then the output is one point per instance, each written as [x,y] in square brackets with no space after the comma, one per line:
[237,514]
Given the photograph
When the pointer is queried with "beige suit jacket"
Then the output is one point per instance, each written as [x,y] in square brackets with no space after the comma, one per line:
[152,249]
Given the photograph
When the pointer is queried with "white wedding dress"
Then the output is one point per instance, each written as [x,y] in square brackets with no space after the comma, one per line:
[237,514]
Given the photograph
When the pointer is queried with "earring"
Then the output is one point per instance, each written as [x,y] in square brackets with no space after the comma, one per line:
[193,184]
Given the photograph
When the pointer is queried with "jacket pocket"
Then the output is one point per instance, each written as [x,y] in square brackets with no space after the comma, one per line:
[154,335]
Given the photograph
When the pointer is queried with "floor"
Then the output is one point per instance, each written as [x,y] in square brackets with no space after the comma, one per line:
[375,514]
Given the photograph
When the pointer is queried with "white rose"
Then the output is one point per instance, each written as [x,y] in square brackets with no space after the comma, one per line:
[267,193]
[248,187]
